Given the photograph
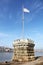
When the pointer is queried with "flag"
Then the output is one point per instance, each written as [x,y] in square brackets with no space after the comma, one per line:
[26,10]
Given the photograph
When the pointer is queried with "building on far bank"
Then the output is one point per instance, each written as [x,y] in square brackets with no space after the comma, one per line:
[23,50]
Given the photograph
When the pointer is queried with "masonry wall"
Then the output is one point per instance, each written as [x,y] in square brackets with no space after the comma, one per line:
[23,52]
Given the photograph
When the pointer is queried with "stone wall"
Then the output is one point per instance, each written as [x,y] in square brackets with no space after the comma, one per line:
[23,51]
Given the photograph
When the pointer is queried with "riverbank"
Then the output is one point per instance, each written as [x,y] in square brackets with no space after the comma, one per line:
[37,61]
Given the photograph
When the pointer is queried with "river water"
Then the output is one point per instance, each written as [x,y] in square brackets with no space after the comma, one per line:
[7,56]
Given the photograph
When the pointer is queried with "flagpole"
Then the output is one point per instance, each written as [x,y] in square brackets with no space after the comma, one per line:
[23,10]
[22,22]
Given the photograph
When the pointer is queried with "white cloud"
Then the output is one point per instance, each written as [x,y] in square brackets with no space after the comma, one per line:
[37,37]
[3,35]
[37,34]
[37,6]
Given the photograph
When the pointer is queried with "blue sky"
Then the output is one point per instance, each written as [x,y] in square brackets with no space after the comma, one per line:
[11,21]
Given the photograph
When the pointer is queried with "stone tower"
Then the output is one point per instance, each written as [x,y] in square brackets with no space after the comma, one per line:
[23,50]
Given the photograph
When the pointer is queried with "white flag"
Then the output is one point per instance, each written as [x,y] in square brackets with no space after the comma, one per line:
[26,10]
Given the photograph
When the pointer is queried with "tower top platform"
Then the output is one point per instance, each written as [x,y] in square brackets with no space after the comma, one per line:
[21,41]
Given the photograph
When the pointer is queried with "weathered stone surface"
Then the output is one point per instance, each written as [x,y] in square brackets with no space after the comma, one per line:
[23,50]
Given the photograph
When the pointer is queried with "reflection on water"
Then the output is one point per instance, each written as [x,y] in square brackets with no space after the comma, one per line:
[7,56]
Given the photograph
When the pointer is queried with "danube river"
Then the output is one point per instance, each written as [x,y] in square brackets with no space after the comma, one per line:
[7,56]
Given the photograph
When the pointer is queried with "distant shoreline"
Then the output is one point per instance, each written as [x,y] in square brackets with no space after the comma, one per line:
[39,50]
[5,49]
